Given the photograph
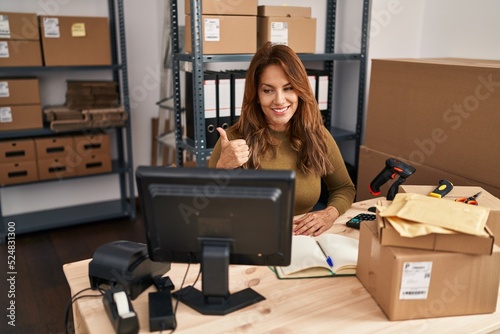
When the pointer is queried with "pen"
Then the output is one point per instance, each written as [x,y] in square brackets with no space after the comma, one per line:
[328,259]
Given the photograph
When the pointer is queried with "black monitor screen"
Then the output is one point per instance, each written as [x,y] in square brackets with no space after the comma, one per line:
[217,216]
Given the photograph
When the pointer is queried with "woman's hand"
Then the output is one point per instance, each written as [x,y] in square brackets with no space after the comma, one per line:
[234,153]
[316,222]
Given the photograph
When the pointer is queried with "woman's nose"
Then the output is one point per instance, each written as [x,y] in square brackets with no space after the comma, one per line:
[280,97]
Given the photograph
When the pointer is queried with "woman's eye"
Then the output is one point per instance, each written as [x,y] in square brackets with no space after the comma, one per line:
[287,89]
[267,91]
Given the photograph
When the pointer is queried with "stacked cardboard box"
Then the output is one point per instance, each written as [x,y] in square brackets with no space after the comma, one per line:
[227,26]
[438,115]
[56,157]
[20,107]
[19,40]
[92,94]
[289,25]
[94,154]
[17,162]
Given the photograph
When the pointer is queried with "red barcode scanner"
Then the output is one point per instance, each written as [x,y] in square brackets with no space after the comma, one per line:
[392,168]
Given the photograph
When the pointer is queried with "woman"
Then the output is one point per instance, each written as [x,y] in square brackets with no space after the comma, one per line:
[281,127]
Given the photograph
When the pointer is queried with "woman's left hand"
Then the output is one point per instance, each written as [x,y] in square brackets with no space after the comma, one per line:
[316,222]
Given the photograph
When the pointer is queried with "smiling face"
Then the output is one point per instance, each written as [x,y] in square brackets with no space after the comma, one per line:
[277,98]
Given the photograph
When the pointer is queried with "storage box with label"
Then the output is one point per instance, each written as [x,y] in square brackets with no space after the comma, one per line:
[442,113]
[17,150]
[224,7]
[414,284]
[291,26]
[485,199]
[21,117]
[15,91]
[74,41]
[225,34]
[19,40]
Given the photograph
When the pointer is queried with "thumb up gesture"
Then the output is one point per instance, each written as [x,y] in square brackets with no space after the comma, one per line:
[234,153]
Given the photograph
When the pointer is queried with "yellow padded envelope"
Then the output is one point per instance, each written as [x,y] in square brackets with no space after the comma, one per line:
[451,215]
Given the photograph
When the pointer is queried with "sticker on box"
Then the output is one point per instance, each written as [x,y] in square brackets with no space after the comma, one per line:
[212,30]
[415,280]
[51,27]
[4,49]
[4,89]
[78,30]
[5,115]
[279,32]
[4,26]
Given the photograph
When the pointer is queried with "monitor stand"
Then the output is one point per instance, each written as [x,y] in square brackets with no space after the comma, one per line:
[215,299]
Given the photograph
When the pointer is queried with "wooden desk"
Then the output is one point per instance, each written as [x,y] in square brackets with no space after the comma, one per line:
[323,305]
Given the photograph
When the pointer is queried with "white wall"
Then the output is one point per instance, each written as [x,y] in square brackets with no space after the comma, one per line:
[399,28]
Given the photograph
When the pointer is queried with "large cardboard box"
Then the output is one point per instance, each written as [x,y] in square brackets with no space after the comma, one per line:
[372,161]
[17,150]
[74,41]
[486,199]
[442,113]
[224,7]
[225,34]
[21,117]
[414,284]
[18,172]
[299,33]
[19,91]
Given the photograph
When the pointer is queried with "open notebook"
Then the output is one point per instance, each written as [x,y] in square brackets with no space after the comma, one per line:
[308,259]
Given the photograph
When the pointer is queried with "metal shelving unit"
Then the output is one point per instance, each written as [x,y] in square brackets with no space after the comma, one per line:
[122,165]
[198,146]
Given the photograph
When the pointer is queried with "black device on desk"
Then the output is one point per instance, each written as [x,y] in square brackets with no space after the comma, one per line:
[217,217]
[126,264]
[392,168]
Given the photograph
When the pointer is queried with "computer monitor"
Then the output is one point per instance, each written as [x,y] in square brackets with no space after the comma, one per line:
[217,217]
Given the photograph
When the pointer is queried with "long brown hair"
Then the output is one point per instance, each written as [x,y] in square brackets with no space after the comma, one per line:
[306,129]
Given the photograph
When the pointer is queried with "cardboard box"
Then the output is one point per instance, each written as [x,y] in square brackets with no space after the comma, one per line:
[414,284]
[485,199]
[284,11]
[94,164]
[19,26]
[56,168]
[18,172]
[17,150]
[21,117]
[459,243]
[74,41]
[442,113]
[19,91]
[224,7]
[372,161]
[92,144]
[20,53]
[54,147]
[299,33]
[225,34]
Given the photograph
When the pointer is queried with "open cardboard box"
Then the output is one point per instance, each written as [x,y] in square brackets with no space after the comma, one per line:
[485,199]
[459,242]
[415,284]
